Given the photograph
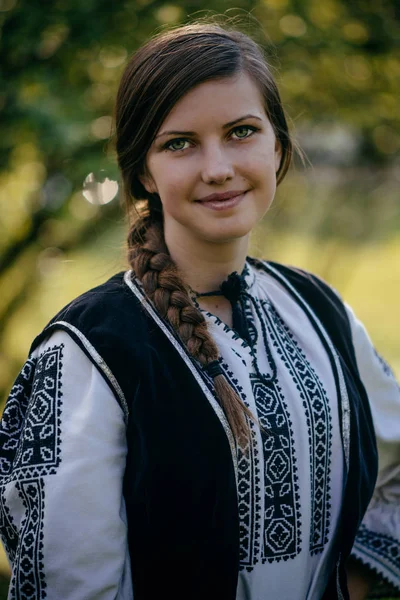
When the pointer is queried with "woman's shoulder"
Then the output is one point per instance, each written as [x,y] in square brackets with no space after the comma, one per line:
[112,291]
[294,278]
[102,311]
[317,298]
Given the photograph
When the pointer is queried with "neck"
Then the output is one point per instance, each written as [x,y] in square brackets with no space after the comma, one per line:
[205,265]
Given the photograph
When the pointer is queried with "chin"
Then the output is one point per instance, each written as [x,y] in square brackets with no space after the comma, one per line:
[226,234]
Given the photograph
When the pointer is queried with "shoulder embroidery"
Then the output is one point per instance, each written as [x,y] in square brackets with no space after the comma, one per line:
[380,552]
[30,447]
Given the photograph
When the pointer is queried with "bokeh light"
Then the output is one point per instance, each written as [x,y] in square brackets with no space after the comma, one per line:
[100,189]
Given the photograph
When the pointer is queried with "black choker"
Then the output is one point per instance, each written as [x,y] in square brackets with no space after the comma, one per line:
[232,288]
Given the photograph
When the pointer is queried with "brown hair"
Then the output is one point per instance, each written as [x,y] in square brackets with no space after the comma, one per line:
[156,77]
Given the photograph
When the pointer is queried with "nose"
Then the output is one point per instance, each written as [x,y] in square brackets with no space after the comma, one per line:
[216,165]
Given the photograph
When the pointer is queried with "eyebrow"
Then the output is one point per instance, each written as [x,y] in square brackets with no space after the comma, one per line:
[226,126]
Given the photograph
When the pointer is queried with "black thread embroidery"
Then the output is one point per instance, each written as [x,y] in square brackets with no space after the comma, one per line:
[386,368]
[319,424]
[274,534]
[383,548]
[9,532]
[282,519]
[249,499]
[28,582]
[249,491]
[30,447]
[281,524]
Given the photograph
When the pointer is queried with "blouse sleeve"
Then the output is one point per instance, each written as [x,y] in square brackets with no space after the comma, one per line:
[62,459]
[377,544]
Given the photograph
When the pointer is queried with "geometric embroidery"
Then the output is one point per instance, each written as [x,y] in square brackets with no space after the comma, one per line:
[14,415]
[281,514]
[280,526]
[28,580]
[276,534]
[383,548]
[249,502]
[30,447]
[8,531]
[248,488]
[318,415]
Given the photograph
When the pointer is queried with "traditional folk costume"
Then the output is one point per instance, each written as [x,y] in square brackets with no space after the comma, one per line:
[120,477]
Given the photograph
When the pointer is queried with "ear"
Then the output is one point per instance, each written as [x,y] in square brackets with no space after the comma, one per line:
[278,154]
[148,182]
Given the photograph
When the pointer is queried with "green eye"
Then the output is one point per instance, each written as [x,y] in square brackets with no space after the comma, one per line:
[244,128]
[241,132]
[171,145]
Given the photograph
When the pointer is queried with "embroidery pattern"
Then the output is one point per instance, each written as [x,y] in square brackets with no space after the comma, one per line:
[386,368]
[280,526]
[281,522]
[30,442]
[14,416]
[249,499]
[270,524]
[28,581]
[248,486]
[318,415]
[9,533]
[281,510]
[380,548]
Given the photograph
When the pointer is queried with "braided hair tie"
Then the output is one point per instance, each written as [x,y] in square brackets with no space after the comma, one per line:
[214,368]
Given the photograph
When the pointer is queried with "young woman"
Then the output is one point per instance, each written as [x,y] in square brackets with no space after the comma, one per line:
[203,425]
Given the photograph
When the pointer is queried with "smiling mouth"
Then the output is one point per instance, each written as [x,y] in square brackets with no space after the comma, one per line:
[222,197]
[222,204]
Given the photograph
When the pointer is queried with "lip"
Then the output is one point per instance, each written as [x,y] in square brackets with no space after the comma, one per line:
[221,205]
[220,197]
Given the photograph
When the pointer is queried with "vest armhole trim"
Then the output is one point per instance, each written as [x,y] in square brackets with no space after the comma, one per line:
[96,359]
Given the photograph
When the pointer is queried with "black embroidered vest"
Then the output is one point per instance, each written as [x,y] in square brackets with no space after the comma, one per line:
[179,484]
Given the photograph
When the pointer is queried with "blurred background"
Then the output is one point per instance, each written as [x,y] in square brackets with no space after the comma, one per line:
[61,226]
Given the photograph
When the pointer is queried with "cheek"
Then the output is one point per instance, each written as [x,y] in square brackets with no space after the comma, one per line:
[262,170]
[174,191]
[262,162]
[172,177]
[173,194]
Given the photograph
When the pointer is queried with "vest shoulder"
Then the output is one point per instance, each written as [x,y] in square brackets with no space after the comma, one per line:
[113,293]
[103,310]
[302,280]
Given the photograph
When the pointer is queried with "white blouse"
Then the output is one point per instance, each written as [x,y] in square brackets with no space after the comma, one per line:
[290,482]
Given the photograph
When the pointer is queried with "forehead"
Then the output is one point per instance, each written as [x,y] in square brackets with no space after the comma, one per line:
[220,100]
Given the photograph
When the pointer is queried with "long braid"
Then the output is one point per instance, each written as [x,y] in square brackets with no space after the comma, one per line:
[152,264]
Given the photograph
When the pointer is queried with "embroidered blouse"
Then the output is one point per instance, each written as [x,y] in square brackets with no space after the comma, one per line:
[291,482]
[290,478]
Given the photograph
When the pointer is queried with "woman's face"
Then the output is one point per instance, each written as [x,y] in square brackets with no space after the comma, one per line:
[216,139]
